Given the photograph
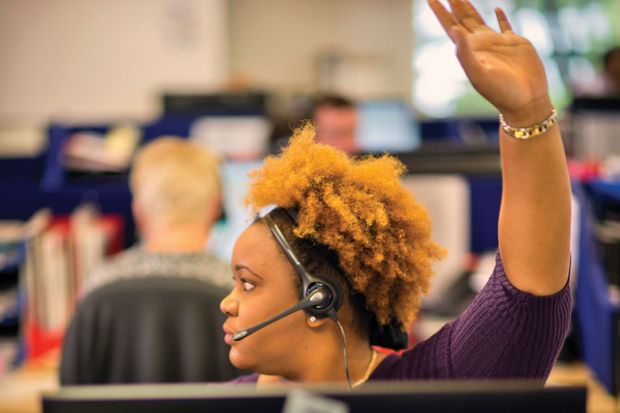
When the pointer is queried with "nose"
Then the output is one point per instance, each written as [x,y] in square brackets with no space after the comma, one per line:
[230,305]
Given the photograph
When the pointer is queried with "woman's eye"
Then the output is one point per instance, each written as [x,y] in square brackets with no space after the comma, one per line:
[248,286]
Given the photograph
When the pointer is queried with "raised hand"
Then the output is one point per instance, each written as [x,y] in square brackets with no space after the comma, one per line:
[503,67]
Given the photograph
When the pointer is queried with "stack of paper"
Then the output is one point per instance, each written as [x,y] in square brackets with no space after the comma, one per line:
[112,152]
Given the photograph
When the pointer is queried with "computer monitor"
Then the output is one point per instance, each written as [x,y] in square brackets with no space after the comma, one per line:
[419,397]
[595,125]
[235,182]
[387,125]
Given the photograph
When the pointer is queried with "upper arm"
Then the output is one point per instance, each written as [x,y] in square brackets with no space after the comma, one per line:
[504,333]
[509,333]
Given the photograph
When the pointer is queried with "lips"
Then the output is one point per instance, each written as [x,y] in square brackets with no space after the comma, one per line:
[228,336]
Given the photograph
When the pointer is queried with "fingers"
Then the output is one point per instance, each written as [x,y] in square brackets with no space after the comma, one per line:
[461,12]
[473,13]
[446,19]
[504,24]
[458,34]
[452,27]
[464,17]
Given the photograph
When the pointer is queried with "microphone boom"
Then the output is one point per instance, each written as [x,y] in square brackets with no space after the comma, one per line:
[316,298]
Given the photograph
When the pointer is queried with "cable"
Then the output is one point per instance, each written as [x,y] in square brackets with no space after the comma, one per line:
[344,352]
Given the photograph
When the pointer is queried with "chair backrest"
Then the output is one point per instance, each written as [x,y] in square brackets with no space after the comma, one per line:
[149,330]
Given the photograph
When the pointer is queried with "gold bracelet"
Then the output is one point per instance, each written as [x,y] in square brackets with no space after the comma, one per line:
[530,131]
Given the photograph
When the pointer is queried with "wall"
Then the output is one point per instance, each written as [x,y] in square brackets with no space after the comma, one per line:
[102,59]
[275,44]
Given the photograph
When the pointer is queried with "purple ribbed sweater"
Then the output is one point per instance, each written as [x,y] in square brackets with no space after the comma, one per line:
[504,333]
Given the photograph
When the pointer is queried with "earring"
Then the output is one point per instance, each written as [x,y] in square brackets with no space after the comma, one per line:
[312,319]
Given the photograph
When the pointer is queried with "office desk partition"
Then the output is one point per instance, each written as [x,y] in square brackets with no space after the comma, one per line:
[597,312]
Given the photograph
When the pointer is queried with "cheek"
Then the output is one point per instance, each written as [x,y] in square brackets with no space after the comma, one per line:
[272,349]
[264,349]
[253,308]
[266,300]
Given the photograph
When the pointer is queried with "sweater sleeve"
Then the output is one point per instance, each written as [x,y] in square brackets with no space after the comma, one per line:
[507,333]
[504,333]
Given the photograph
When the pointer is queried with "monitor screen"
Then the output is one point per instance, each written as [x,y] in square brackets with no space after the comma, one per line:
[235,181]
[595,125]
[419,397]
[386,125]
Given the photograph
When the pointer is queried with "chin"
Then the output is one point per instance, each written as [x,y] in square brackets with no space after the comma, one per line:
[239,360]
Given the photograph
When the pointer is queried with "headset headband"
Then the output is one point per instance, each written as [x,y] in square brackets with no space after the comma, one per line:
[309,281]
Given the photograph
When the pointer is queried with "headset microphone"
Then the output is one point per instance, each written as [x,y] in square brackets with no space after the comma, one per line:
[318,298]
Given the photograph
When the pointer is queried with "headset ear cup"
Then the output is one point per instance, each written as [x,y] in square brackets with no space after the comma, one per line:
[330,283]
[329,305]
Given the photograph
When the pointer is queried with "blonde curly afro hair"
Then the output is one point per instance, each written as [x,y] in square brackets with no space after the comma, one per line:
[360,210]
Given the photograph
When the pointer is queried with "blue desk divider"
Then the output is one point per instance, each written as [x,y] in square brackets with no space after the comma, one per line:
[170,124]
[22,169]
[54,174]
[485,198]
[603,194]
[597,317]
[453,129]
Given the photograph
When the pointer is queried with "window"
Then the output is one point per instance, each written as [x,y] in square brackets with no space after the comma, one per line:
[570,36]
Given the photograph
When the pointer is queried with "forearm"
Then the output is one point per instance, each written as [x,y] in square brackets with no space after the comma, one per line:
[534,222]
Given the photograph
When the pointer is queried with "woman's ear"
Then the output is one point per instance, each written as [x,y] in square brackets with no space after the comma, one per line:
[315,322]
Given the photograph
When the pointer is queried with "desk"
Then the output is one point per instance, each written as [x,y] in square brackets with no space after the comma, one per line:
[20,389]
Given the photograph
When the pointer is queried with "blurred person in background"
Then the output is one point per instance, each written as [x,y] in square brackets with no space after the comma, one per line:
[150,314]
[335,118]
[607,82]
[611,62]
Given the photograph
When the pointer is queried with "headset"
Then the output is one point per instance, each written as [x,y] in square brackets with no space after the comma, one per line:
[319,296]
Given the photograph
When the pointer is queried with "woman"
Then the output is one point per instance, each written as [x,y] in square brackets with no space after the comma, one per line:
[353,221]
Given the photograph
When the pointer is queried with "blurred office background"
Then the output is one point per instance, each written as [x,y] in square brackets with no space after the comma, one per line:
[58,55]
[84,83]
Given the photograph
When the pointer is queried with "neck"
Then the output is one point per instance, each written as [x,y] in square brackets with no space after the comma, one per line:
[326,363]
[185,238]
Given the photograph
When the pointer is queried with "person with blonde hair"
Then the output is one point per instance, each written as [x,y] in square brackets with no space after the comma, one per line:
[150,313]
[175,186]
[340,264]
[176,194]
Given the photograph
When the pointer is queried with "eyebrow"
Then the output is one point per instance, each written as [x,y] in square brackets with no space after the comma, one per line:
[243,267]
